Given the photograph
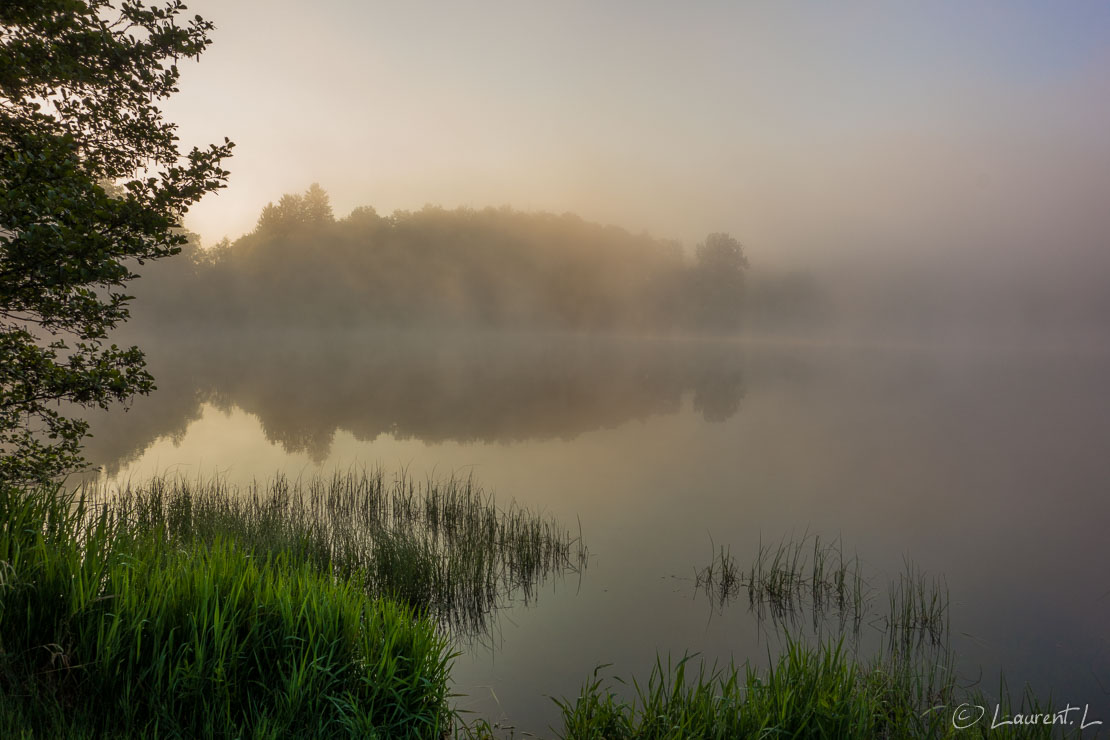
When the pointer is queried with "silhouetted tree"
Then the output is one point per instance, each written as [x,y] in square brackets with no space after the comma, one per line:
[79,87]
[317,206]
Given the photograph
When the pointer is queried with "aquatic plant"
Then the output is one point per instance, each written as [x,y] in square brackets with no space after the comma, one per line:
[788,578]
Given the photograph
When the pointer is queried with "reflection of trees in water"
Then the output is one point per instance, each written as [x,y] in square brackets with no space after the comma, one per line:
[460,387]
[718,391]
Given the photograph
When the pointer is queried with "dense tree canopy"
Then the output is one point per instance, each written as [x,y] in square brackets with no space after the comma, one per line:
[92,183]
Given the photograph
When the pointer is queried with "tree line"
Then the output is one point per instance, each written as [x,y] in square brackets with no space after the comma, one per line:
[493,267]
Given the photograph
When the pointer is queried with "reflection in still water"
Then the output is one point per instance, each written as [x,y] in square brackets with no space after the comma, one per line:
[461,388]
[984,467]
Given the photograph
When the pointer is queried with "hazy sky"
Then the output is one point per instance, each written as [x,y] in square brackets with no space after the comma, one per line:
[804,129]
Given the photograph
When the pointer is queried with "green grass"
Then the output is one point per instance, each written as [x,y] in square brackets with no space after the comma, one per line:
[444,547]
[106,628]
[907,688]
[326,609]
[200,610]
[808,692]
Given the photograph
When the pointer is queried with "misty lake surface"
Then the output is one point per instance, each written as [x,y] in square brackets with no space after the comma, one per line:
[985,465]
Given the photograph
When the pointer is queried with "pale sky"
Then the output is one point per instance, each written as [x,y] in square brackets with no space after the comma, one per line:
[807,130]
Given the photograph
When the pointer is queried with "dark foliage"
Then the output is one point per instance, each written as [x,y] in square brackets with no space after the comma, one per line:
[91,184]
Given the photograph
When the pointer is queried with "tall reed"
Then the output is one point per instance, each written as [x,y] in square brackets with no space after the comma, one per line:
[109,628]
[441,546]
[294,608]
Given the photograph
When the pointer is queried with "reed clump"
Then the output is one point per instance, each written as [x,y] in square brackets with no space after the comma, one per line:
[444,547]
[918,612]
[111,628]
[908,688]
[786,578]
[317,608]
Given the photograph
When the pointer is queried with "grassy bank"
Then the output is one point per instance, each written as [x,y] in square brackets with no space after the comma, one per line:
[442,546]
[198,610]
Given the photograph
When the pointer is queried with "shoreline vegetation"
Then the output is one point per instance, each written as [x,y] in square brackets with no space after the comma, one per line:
[469,268]
[321,608]
[443,547]
[332,607]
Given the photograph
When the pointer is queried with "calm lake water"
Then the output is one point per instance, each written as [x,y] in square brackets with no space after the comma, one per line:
[989,466]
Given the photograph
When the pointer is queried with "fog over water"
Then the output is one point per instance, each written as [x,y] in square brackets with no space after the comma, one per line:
[688,276]
[983,465]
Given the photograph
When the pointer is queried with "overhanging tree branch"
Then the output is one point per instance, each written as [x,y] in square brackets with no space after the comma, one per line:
[92,179]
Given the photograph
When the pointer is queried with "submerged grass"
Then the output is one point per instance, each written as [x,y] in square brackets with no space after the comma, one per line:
[918,613]
[907,689]
[787,578]
[786,581]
